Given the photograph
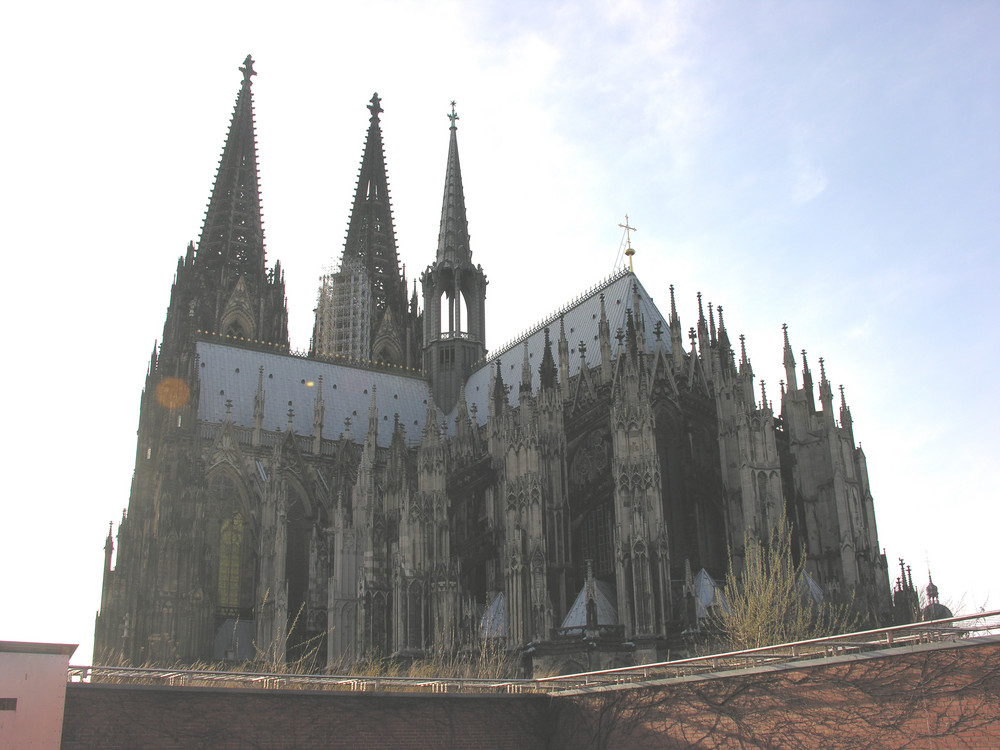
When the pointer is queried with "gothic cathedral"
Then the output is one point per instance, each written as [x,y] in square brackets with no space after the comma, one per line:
[401,490]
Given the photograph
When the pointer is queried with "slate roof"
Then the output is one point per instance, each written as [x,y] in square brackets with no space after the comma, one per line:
[231,373]
[607,607]
[707,593]
[809,587]
[580,319]
[494,620]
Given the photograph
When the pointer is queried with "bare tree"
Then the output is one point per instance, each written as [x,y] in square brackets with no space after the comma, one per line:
[768,601]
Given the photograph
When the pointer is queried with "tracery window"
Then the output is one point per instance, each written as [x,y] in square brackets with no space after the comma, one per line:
[230,553]
[236,561]
[597,544]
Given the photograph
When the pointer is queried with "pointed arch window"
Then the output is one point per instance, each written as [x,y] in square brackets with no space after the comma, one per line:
[230,557]
[236,562]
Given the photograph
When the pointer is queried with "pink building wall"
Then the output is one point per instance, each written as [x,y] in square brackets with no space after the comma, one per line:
[32,694]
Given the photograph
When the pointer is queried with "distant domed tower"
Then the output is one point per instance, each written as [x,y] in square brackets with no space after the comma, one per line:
[934,610]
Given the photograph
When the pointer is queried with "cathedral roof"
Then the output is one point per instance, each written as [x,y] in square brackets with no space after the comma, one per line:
[607,609]
[493,623]
[580,320]
[231,373]
[707,593]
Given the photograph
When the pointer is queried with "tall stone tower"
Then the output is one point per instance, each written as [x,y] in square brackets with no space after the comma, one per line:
[362,310]
[454,293]
[183,518]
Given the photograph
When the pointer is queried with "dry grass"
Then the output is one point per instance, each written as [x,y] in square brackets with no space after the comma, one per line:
[492,661]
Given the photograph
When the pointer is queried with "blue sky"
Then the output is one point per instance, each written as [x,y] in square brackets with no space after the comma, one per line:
[830,165]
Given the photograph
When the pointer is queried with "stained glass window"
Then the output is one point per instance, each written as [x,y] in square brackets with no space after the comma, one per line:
[230,548]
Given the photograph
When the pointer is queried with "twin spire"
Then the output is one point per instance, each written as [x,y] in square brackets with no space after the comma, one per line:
[363,310]
[224,287]
[232,237]
[371,238]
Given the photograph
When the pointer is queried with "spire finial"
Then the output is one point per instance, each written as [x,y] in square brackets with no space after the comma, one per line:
[247,70]
[629,250]
[375,107]
[453,116]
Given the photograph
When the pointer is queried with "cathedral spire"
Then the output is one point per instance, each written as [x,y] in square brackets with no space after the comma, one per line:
[845,413]
[454,292]
[453,237]
[723,335]
[371,239]
[499,393]
[563,348]
[547,370]
[232,237]
[604,339]
[526,372]
[807,382]
[825,391]
[676,332]
[223,286]
[745,367]
[789,361]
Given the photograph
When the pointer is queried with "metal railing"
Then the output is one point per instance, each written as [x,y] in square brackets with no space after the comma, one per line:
[866,641]
[966,627]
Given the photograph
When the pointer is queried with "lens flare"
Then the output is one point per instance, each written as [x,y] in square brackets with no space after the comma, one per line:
[172,393]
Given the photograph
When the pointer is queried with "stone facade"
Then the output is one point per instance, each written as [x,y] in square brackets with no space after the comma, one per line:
[398,491]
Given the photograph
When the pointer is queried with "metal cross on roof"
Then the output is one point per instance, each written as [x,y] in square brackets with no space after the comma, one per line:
[452,116]
[629,252]
[376,106]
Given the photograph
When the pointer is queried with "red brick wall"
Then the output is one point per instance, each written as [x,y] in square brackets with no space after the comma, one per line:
[927,699]
[933,699]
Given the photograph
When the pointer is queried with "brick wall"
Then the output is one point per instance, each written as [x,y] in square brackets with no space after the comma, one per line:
[918,699]
[165,718]
[937,698]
